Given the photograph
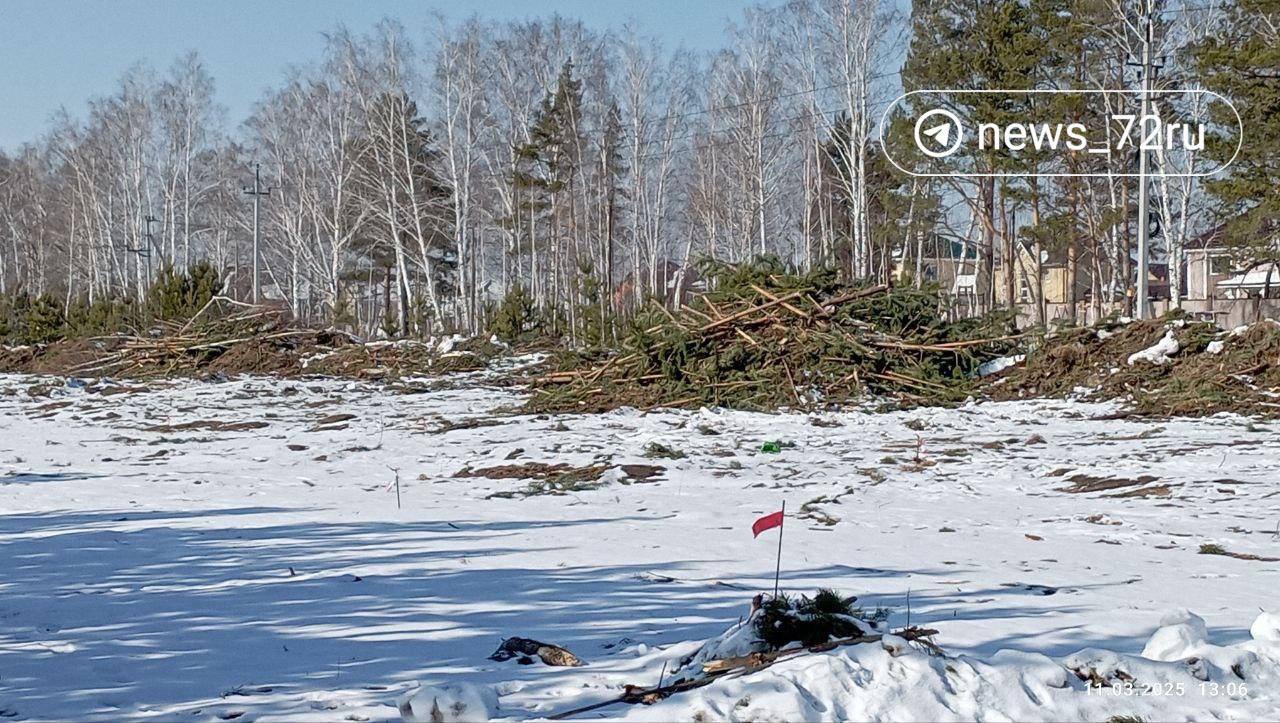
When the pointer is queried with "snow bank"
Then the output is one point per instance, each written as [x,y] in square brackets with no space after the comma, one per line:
[998,365]
[1159,352]
[1180,676]
[1179,634]
[1266,627]
[739,640]
[452,703]
[447,344]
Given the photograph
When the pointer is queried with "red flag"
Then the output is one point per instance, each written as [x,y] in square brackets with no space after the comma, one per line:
[768,522]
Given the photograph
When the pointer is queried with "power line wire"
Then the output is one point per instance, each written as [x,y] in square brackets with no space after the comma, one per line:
[717,144]
[730,106]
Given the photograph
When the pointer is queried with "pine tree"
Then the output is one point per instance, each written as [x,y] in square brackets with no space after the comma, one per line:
[548,166]
[990,44]
[1242,63]
[613,169]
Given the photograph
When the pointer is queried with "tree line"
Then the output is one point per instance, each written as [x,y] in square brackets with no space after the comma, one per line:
[420,177]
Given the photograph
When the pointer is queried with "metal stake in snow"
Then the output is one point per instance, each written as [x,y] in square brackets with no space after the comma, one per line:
[777,568]
[396,470]
[768,522]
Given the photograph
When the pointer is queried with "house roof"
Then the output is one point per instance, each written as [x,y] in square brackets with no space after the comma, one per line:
[1255,278]
[1216,237]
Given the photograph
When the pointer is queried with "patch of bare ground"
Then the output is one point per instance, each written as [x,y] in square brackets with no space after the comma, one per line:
[1085,483]
[1212,549]
[210,425]
[560,477]
[1212,370]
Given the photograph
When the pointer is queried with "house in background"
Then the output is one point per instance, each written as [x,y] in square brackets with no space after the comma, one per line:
[1213,271]
[677,283]
[1053,273]
[948,263]
[1258,282]
[1208,263]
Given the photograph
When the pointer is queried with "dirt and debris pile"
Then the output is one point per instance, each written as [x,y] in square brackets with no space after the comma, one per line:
[765,338]
[780,628]
[1167,366]
[790,623]
[561,478]
[403,357]
[525,649]
[226,338]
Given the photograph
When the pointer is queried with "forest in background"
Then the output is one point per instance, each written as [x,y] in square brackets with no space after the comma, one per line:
[425,179]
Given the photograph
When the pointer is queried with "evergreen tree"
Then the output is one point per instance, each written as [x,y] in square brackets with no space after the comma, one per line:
[547,168]
[989,44]
[1242,62]
[613,171]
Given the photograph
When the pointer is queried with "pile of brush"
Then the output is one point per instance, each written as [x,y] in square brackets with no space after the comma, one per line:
[223,336]
[766,338]
[403,357]
[1200,369]
[227,337]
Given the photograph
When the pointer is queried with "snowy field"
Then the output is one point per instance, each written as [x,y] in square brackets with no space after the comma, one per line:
[235,550]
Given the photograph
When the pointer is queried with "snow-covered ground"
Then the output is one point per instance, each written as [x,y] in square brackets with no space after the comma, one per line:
[203,551]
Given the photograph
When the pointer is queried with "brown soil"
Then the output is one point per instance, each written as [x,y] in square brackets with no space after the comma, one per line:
[272,349]
[529,470]
[1243,377]
[211,425]
[1084,483]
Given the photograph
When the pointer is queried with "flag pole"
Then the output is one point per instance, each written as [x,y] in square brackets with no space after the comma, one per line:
[777,570]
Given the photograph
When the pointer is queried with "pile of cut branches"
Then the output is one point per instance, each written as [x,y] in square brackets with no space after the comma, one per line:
[230,337]
[766,338]
[403,357]
[1207,369]
[223,336]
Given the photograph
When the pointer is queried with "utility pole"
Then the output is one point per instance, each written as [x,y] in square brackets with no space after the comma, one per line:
[143,251]
[1148,71]
[257,192]
[151,244]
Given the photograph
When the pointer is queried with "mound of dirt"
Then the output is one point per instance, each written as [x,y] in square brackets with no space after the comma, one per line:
[1167,367]
[59,356]
[408,357]
[260,340]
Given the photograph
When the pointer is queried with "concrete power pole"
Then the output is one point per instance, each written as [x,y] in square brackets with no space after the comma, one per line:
[1144,221]
[257,192]
[143,252]
[151,245]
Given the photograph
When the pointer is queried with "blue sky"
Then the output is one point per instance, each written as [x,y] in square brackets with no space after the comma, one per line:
[56,53]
